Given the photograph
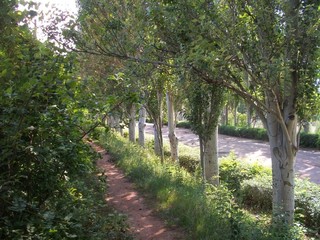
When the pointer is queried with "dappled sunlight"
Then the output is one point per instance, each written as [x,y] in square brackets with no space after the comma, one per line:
[253,151]
[123,196]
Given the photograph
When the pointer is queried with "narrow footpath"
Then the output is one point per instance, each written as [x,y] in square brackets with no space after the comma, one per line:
[122,196]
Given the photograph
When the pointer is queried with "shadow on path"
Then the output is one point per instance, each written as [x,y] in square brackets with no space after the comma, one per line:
[307,165]
[124,198]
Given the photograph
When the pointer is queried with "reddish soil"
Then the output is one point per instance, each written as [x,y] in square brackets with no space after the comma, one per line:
[123,196]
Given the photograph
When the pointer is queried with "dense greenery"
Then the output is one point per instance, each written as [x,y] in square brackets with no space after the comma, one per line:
[244,132]
[266,52]
[48,183]
[310,140]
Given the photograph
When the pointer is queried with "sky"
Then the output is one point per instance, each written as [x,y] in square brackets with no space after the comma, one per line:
[69,5]
[46,6]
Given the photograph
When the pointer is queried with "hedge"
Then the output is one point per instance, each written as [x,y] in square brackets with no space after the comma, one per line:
[307,140]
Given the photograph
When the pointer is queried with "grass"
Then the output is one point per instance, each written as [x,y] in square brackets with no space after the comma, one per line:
[206,212]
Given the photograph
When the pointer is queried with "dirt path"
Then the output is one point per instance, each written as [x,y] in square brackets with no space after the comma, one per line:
[123,196]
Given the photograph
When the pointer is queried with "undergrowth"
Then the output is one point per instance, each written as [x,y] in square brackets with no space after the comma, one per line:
[206,212]
[79,212]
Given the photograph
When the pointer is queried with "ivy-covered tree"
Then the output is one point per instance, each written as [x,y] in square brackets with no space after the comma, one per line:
[205,103]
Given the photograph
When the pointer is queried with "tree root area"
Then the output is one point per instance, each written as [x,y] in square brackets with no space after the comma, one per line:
[122,196]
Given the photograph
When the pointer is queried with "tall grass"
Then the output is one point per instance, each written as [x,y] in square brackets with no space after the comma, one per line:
[206,212]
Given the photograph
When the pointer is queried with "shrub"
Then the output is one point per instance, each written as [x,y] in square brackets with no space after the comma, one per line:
[308,140]
[184,124]
[244,132]
[256,193]
[189,163]
[308,204]
[234,172]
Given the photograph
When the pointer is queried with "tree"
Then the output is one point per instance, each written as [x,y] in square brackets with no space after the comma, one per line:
[142,125]
[41,149]
[276,44]
[205,103]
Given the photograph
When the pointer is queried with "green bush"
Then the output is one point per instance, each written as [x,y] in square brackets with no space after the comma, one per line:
[184,124]
[244,132]
[308,204]
[189,163]
[47,174]
[308,140]
[234,172]
[256,193]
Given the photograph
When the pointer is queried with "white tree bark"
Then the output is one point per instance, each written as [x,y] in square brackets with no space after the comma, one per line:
[157,146]
[282,132]
[211,161]
[110,121]
[171,127]
[116,122]
[132,123]
[142,125]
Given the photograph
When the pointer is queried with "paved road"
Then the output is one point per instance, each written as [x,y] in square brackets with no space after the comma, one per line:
[307,165]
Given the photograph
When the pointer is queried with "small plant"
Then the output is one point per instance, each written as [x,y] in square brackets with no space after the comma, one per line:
[233,172]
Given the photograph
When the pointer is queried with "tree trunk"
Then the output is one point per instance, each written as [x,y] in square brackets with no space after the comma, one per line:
[110,121]
[158,140]
[211,162]
[132,123]
[249,115]
[226,115]
[155,112]
[157,148]
[117,123]
[142,125]
[283,148]
[202,158]
[235,122]
[171,126]
[306,127]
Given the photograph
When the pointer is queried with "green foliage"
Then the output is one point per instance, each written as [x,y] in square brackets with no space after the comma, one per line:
[308,205]
[309,140]
[204,107]
[207,212]
[256,193]
[244,132]
[184,124]
[48,187]
[233,172]
[189,163]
